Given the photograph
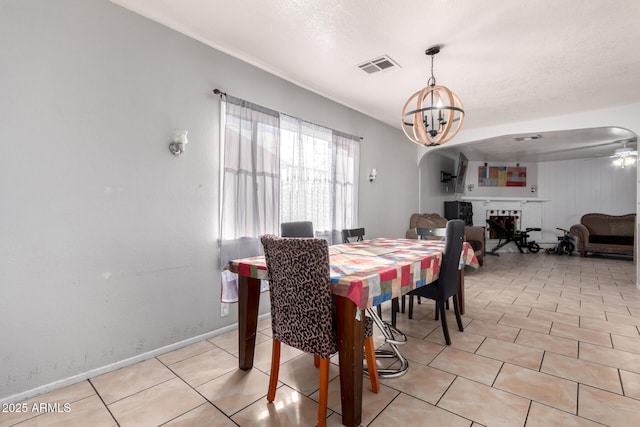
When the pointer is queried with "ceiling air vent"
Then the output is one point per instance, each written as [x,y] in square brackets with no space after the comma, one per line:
[381,63]
[527,138]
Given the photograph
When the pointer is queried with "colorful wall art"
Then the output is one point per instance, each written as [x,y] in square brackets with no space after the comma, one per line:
[502,176]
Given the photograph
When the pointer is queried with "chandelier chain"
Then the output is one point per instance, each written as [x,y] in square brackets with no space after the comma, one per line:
[432,79]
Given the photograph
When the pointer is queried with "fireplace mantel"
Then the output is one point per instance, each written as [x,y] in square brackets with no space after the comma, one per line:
[489,199]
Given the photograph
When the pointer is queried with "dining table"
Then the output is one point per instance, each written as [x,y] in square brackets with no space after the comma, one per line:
[363,275]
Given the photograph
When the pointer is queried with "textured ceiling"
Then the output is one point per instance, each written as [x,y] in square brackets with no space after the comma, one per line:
[508,61]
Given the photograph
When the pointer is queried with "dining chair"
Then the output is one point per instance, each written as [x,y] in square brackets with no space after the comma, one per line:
[446,286]
[302,313]
[352,233]
[425,233]
[296,229]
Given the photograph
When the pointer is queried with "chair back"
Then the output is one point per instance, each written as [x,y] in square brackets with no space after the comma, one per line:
[448,277]
[301,299]
[431,233]
[352,233]
[296,229]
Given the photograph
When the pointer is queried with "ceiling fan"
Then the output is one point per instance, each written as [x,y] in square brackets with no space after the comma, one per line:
[624,156]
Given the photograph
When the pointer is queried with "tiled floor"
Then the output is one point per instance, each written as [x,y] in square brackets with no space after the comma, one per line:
[548,341]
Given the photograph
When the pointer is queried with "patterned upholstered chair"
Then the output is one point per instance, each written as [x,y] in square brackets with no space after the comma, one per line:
[302,314]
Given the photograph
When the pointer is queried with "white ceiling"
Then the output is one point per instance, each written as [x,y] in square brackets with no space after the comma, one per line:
[508,60]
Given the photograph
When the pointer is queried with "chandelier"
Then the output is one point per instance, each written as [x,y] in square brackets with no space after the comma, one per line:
[433,115]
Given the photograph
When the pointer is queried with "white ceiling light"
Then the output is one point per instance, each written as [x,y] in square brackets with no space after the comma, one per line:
[624,156]
[433,115]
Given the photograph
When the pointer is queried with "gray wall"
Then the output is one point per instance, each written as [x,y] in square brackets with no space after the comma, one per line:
[108,245]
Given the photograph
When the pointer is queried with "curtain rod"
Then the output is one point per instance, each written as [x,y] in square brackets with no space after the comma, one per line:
[221,94]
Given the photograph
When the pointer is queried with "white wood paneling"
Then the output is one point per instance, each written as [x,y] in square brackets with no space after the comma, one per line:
[577,187]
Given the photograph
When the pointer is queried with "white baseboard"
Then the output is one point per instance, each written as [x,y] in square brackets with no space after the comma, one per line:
[19,397]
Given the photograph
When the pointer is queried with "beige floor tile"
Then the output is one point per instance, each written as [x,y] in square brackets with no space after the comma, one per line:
[609,327]
[607,408]
[69,394]
[552,316]
[567,309]
[467,365]
[608,308]
[626,343]
[566,346]
[550,390]
[185,352]
[416,328]
[89,411]
[416,413]
[493,330]
[610,357]
[262,358]
[545,416]
[485,405]
[630,384]
[625,320]
[421,351]
[423,382]
[290,409]
[582,371]
[581,334]
[372,403]
[205,366]
[516,354]
[236,389]
[156,405]
[466,340]
[301,374]
[478,313]
[204,415]
[508,308]
[536,305]
[522,322]
[229,340]
[124,382]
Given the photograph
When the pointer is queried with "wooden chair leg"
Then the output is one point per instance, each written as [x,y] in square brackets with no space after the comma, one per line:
[323,397]
[372,366]
[316,360]
[275,369]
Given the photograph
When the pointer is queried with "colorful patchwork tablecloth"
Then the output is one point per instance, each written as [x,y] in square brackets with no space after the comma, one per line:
[374,271]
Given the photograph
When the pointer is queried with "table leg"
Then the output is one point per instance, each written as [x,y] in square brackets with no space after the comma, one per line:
[248,301]
[461,291]
[350,342]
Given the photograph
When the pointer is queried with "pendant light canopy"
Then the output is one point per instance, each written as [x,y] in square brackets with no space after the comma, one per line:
[433,115]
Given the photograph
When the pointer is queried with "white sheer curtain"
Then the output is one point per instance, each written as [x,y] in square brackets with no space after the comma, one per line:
[250,183]
[318,171]
[277,168]
[346,169]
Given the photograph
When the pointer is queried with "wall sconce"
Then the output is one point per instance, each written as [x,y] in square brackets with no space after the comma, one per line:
[373,175]
[177,146]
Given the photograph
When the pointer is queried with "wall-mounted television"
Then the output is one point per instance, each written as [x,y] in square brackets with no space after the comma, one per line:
[463,165]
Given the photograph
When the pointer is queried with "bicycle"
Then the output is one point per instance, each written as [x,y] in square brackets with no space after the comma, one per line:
[521,239]
[565,243]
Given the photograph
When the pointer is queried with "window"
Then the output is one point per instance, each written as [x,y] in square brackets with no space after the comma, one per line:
[278,168]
